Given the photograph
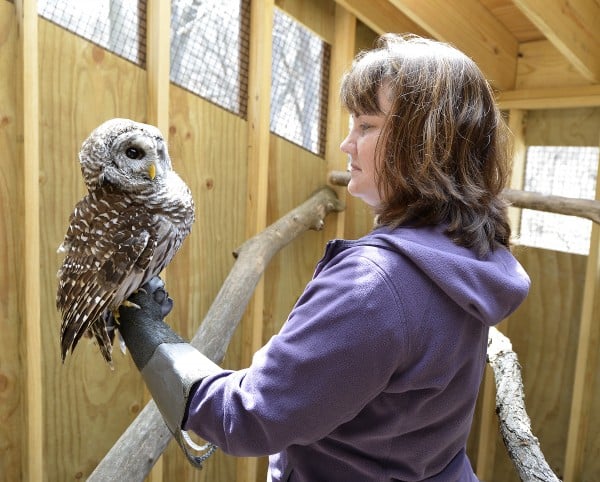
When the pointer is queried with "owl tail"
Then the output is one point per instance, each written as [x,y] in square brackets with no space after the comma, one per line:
[103,330]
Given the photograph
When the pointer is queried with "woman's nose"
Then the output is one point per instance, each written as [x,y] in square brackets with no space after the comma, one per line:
[346,145]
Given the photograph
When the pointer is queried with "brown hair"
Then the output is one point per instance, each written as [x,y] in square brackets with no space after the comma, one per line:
[444,151]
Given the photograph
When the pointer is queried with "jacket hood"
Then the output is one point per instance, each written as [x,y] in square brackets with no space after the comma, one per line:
[489,288]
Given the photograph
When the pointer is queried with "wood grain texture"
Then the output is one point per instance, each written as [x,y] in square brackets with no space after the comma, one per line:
[572,26]
[216,173]
[12,390]
[543,332]
[541,64]
[86,405]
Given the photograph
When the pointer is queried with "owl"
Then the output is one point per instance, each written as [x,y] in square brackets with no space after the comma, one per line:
[126,230]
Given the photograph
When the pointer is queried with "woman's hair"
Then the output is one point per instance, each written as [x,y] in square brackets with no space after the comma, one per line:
[443,155]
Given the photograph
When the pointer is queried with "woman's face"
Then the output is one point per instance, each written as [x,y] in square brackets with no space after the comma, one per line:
[360,147]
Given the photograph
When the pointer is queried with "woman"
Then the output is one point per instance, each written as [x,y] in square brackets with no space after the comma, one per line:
[375,374]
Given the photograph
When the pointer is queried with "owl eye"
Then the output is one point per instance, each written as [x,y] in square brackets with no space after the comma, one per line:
[134,153]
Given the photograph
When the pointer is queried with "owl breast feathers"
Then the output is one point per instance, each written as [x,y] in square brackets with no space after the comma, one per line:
[123,232]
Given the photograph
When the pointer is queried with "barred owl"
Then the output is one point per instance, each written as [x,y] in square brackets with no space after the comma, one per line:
[123,232]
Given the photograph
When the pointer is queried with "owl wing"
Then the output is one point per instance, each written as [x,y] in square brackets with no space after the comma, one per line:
[109,245]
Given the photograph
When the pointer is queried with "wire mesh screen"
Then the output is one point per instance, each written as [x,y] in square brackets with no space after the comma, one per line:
[116,25]
[300,79]
[209,50]
[561,171]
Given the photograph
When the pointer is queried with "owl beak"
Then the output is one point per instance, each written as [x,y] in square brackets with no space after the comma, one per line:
[152,171]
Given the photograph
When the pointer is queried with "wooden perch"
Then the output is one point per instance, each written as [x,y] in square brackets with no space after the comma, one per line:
[585,208]
[139,447]
[515,427]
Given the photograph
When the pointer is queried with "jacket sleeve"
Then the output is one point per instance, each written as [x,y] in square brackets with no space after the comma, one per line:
[342,342]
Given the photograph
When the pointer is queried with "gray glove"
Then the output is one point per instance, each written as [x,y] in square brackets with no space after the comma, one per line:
[169,365]
[142,326]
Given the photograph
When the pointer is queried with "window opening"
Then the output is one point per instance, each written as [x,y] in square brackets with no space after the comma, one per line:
[116,25]
[299,84]
[561,171]
[210,48]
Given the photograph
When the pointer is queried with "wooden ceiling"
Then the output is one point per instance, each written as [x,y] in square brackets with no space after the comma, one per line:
[536,53]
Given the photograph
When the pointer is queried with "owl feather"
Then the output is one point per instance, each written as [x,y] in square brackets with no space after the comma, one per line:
[126,230]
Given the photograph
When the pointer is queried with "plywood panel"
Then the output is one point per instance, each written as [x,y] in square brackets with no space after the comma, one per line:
[317,15]
[563,127]
[591,452]
[540,64]
[86,405]
[12,421]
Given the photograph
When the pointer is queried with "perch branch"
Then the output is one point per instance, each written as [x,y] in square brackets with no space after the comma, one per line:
[585,208]
[138,448]
[515,427]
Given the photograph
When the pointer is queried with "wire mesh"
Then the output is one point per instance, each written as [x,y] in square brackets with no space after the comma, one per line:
[561,171]
[116,25]
[300,80]
[210,48]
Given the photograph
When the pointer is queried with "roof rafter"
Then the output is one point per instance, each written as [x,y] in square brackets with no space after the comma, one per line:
[469,26]
[572,26]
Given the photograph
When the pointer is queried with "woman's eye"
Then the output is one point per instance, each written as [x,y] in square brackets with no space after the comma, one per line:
[134,153]
[365,127]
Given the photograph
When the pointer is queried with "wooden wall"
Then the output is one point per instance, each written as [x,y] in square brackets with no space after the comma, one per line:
[83,405]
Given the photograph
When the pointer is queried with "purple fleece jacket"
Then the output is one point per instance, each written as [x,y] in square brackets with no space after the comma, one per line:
[375,374]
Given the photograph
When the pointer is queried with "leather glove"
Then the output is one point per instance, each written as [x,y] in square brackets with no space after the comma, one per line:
[169,365]
[141,322]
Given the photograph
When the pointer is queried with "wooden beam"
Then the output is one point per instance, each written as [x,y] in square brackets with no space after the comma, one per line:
[381,16]
[342,53]
[470,27]
[158,62]
[486,447]
[586,360]
[572,26]
[516,124]
[550,98]
[259,102]
[27,19]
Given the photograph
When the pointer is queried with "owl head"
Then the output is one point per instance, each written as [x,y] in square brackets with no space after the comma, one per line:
[126,154]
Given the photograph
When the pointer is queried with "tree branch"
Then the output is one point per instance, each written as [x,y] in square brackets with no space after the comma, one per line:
[585,208]
[515,427]
[136,451]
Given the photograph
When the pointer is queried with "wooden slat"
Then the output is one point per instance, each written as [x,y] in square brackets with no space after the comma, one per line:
[28,36]
[486,447]
[587,354]
[342,53]
[486,450]
[572,26]
[158,21]
[516,123]
[469,26]
[158,44]
[259,85]
[381,16]
[550,98]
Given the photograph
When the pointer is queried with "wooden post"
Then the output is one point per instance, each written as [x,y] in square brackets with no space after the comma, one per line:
[158,40]
[27,19]
[158,63]
[585,363]
[486,448]
[259,101]
[342,53]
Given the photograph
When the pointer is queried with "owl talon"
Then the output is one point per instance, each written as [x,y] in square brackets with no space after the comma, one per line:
[130,304]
